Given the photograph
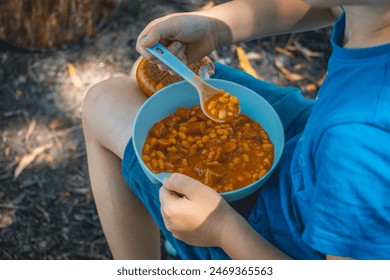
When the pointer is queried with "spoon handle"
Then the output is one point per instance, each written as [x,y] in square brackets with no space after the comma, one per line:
[165,56]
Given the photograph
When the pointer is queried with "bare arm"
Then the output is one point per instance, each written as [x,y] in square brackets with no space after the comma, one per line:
[240,20]
[249,19]
[241,242]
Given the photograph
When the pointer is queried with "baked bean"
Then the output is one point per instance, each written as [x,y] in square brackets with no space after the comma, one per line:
[163,144]
[181,135]
[154,163]
[212,163]
[229,146]
[222,131]
[212,135]
[225,156]
[236,160]
[185,144]
[267,162]
[190,139]
[161,164]
[205,139]
[147,149]
[153,142]
[172,149]
[182,128]
[146,158]
[268,147]
[262,173]
[211,105]
[160,154]
[224,137]
[169,165]
[222,114]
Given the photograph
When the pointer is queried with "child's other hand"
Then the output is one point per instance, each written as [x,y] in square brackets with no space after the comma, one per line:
[193,212]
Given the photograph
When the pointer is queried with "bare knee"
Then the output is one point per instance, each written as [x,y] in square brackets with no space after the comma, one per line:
[101,105]
[92,106]
[108,110]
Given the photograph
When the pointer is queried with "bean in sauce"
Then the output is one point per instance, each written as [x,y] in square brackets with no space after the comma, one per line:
[222,106]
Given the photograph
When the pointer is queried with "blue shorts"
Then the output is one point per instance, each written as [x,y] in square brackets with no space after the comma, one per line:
[293,111]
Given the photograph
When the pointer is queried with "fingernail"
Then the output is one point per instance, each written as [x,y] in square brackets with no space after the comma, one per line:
[179,45]
[144,39]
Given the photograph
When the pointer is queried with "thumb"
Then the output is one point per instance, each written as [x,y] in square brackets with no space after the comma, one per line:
[183,185]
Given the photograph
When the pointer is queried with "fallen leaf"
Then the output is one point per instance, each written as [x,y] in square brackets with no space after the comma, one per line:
[27,159]
[287,73]
[305,51]
[44,212]
[6,218]
[253,55]
[245,64]
[321,80]
[74,77]
[73,148]
[284,51]
[30,129]
[7,151]
[309,87]
[299,66]
[49,159]
[207,6]
[18,94]
[57,123]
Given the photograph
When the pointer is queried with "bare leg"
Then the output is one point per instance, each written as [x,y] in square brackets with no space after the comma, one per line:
[108,114]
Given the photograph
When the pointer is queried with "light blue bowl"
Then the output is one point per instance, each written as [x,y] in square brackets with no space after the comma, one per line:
[182,94]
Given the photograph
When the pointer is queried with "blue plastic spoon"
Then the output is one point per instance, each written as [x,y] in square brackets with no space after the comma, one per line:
[204,90]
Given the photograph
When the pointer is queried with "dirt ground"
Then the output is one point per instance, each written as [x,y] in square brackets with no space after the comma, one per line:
[47,209]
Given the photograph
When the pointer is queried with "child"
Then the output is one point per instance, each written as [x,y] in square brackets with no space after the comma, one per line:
[328,197]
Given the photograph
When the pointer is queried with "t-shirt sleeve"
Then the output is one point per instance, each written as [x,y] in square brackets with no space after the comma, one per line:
[350,210]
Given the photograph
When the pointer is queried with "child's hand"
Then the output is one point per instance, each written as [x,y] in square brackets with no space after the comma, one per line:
[193,212]
[191,37]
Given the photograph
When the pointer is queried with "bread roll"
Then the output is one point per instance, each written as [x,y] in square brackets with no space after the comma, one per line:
[151,79]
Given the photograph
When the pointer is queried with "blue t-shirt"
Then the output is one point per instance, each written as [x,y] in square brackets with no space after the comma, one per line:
[331,193]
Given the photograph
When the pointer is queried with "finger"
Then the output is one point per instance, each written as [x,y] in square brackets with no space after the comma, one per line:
[167,197]
[153,33]
[183,185]
[162,67]
[185,59]
[176,48]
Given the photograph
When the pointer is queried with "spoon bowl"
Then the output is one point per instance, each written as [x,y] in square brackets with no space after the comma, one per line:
[205,90]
